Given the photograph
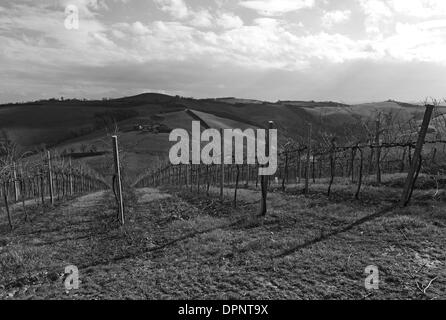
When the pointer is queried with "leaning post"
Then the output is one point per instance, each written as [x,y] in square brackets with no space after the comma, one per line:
[118,179]
[410,181]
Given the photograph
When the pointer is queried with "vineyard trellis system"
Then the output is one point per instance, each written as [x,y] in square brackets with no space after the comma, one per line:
[45,180]
[306,163]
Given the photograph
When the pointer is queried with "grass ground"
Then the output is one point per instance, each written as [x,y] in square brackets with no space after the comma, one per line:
[180,244]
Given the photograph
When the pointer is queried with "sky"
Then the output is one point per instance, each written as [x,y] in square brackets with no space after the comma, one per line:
[341,50]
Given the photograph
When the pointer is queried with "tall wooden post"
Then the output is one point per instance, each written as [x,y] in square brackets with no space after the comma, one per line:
[410,181]
[23,192]
[50,178]
[70,177]
[248,173]
[313,172]
[222,165]
[265,179]
[361,163]
[16,184]
[285,172]
[299,167]
[378,149]
[118,179]
[198,172]
[332,164]
[42,186]
[307,173]
[191,172]
[352,168]
[5,198]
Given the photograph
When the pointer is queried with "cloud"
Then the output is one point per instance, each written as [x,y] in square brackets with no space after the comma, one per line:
[199,18]
[276,7]
[228,43]
[176,8]
[30,38]
[382,13]
[331,18]
[419,8]
[377,13]
[202,18]
[135,29]
[229,21]
[425,41]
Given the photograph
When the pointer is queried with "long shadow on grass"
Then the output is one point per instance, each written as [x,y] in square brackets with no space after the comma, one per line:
[336,232]
[160,247]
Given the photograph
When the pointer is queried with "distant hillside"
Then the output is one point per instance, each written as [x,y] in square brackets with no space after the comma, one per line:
[52,122]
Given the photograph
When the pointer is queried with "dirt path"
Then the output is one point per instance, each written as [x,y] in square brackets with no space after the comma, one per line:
[35,254]
[147,195]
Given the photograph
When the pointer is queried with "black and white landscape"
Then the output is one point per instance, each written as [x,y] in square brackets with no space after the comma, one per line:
[93,206]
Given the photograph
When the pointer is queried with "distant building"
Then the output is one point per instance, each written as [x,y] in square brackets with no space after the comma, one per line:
[154,128]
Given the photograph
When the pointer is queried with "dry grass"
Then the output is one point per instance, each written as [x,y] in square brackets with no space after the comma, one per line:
[178,244]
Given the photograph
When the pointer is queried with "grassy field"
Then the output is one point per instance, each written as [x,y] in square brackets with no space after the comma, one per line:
[180,244]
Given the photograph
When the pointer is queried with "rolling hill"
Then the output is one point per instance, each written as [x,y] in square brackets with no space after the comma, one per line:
[75,125]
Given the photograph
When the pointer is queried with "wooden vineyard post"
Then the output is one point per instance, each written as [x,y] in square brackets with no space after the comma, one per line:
[321,157]
[16,184]
[23,193]
[70,178]
[361,163]
[50,178]
[285,173]
[378,149]
[248,175]
[5,198]
[264,179]
[434,153]
[236,185]
[416,159]
[78,181]
[208,180]
[313,169]
[299,167]
[371,155]
[222,165]
[42,187]
[403,165]
[198,172]
[118,179]
[307,172]
[352,168]
[191,177]
[332,164]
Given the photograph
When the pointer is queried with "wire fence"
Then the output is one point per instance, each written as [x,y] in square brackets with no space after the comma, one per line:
[355,165]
